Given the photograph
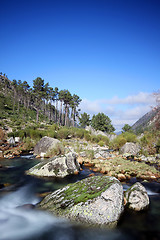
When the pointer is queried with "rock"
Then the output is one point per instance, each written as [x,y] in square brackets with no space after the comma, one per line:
[11,141]
[96,200]
[136,197]
[45,144]
[17,139]
[121,177]
[130,148]
[57,167]
[83,154]
[94,132]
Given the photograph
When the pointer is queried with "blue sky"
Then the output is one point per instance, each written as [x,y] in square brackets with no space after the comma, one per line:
[105,51]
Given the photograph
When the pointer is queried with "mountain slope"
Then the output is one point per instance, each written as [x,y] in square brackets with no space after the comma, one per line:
[147,121]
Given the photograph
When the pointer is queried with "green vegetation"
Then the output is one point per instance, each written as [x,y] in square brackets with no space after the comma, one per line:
[119,165]
[80,191]
[102,122]
[40,103]
[121,139]
[150,143]
[84,120]
[127,128]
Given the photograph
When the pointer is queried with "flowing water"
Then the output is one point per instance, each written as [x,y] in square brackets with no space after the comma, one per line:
[18,220]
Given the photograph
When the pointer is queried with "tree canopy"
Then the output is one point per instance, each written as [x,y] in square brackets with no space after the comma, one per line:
[102,122]
[127,128]
[84,120]
[59,106]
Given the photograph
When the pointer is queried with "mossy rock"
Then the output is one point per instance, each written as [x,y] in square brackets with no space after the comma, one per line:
[96,200]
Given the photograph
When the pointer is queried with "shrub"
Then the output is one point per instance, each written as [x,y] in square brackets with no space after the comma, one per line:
[90,154]
[87,136]
[158,146]
[118,142]
[105,139]
[129,136]
[35,134]
[28,144]
[79,133]
[94,139]
[101,143]
[144,141]
[52,134]
[63,133]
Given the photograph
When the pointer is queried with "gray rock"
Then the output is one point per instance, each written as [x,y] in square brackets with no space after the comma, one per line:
[83,154]
[45,144]
[56,167]
[130,148]
[17,139]
[136,197]
[95,200]
[94,132]
[11,141]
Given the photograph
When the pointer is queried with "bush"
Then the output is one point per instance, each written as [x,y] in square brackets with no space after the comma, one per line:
[118,142]
[158,146]
[101,143]
[28,144]
[94,139]
[105,139]
[144,141]
[79,133]
[90,154]
[63,133]
[87,136]
[129,136]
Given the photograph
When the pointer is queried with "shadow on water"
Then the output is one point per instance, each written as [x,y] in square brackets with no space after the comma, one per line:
[20,223]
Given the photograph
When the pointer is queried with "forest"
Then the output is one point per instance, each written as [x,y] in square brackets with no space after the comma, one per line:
[58,106]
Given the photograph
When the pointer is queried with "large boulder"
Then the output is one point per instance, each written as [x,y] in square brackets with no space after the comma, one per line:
[130,148]
[45,144]
[136,197]
[56,167]
[96,200]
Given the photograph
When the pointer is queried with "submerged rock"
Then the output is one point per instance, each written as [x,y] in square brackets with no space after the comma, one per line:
[136,197]
[56,167]
[45,144]
[96,200]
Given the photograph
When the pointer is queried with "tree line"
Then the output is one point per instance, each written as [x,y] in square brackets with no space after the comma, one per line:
[56,105]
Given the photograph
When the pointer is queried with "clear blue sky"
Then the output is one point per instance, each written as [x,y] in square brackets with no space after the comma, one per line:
[98,49]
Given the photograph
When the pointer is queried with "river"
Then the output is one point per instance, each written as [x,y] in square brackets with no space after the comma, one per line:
[19,221]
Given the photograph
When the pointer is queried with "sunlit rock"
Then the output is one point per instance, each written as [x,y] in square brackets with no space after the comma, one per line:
[45,144]
[97,200]
[57,166]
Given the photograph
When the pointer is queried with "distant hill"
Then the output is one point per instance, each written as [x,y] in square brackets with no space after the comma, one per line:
[146,122]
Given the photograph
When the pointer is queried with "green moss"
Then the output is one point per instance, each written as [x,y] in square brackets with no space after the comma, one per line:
[78,192]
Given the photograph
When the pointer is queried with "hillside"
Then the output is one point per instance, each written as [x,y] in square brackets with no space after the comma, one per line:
[147,121]
[41,103]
